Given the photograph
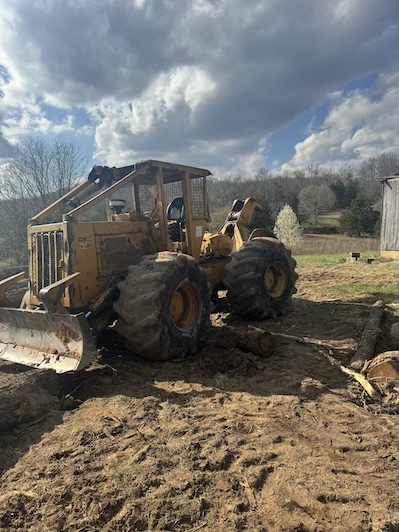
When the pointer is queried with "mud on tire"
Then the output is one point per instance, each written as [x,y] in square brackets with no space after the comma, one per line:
[261,279]
[164,306]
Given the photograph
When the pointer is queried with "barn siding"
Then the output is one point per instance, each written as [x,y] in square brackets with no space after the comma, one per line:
[390,215]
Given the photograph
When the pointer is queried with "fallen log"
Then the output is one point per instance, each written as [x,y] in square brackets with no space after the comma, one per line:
[361,379]
[23,399]
[259,343]
[368,340]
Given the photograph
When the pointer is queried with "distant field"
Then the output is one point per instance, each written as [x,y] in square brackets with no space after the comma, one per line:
[334,244]
[331,219]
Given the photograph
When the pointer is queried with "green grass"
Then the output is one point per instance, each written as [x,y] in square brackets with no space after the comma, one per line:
[328,260]
[330,276]
[319,261]
[363,291]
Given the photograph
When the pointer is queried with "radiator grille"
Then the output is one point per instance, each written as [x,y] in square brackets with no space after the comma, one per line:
[47,254]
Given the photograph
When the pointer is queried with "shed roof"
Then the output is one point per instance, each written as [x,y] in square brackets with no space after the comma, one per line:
[396,176]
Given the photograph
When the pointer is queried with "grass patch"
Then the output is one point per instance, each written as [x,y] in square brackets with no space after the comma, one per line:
[364,292]
[326,277]
[328,260]
[319,261]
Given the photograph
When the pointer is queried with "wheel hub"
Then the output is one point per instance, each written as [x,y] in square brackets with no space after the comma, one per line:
[185,307]
[275,280]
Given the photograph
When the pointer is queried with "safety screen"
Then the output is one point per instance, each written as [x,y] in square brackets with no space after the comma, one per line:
[172,191]
[197,194]
[147,197]
[125,193]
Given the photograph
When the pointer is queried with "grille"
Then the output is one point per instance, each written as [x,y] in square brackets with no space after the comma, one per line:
[47,253]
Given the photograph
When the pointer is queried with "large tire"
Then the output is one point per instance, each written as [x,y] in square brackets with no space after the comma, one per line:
[261,279]
[164,306]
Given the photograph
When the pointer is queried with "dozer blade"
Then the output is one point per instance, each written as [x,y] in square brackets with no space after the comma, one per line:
[62,342]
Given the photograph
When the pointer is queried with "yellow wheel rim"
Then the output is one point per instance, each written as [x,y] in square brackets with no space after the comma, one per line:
[185,307]
[275,280]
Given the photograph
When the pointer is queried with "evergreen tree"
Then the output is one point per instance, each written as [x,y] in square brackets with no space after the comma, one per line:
[360,219]
[287,228]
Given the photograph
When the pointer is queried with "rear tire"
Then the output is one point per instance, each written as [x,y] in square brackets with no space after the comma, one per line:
[164,306]
[261,279]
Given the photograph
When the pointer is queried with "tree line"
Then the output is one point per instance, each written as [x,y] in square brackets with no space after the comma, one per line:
[354,190]
[37,174]
[40,172]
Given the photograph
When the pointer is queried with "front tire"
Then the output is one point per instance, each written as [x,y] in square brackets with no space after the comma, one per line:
[261,279]
[164,306]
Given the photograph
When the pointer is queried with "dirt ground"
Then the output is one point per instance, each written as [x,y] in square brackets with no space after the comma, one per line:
[224,441]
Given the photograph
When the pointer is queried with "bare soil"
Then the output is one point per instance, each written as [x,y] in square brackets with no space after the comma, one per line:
[224,441]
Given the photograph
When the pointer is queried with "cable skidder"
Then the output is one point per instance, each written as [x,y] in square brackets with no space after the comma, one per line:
[146,263]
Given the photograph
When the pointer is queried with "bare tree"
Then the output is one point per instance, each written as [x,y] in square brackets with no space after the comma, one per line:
[372,170]
[315,200]
[37,174]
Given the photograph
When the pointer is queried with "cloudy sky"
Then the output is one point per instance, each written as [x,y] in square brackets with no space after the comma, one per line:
[231,85]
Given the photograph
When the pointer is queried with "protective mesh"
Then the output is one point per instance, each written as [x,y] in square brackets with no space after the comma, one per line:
[125,193]
[197,193]
[172,191]
[147,196]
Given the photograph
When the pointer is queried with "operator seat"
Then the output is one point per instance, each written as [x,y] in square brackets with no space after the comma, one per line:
[175,216]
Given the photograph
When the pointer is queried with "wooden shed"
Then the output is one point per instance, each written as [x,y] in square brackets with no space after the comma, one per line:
[390,218]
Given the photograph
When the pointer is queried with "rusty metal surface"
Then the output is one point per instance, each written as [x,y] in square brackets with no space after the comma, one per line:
[62,342]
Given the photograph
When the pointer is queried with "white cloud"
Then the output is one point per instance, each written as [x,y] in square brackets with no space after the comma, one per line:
[175,78]
[119,123]
[359,125]
[32,120]
[244,163]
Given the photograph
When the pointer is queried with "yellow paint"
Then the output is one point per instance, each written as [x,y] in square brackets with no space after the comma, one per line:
[99,250]
[215,270]
[394,255]
[216,246]
[184,306]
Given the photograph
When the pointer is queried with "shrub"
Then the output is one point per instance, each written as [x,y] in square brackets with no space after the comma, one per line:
[287,228]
